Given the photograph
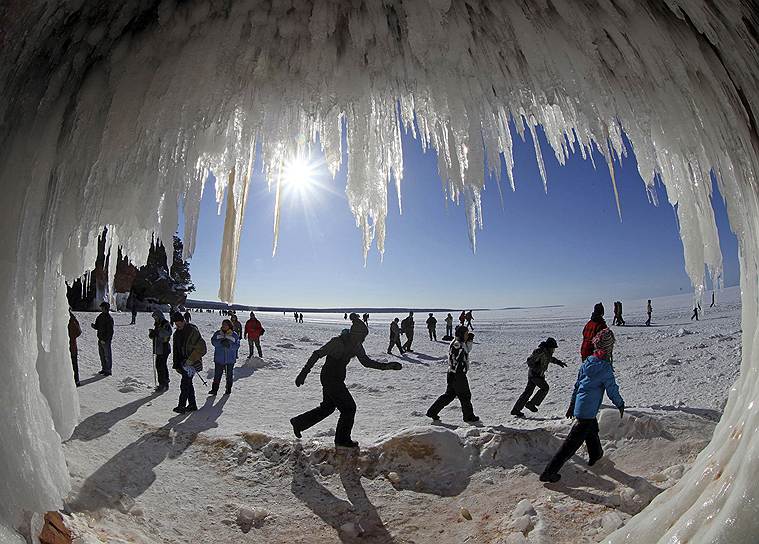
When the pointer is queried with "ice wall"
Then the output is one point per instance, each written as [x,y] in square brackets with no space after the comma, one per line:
[115,112]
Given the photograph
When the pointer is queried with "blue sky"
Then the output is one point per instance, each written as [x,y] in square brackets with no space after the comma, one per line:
[565,247]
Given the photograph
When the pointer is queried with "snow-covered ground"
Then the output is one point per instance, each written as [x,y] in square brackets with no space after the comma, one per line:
[232,472]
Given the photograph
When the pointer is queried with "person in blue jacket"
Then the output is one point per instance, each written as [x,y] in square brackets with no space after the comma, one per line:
[596,375]
[226,342]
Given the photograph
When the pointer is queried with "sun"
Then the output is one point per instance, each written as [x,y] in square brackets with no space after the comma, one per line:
[299,175]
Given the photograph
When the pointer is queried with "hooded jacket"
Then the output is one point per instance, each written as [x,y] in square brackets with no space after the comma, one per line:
[225,347]
[395,330]
[539,360]
[592,328]
[594,377]
[340,350]
[253,329]
[74,331]
[161,335]
[407,326]
[458,356]
[431,322]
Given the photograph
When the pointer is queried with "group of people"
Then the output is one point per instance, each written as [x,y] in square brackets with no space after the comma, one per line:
[298,317]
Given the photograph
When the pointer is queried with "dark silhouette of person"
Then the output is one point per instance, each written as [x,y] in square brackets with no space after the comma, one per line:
[649,311]
[449,327]
[469,320]
[432,327]
[74,332]
[713,302]
[407,328]
[104,325]
[335,395]
[695,313]
[395,337]
[538,364]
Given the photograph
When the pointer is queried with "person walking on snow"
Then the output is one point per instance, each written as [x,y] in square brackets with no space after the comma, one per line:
[462,317]
[713,302]
[407,328]
[456,378]
[395,337]
[592,327]
[189,349]
[104,325]
[226,343]
[695,313]
[538,364]
[161,336]
[74,332]
[449,326]
[596,376]
[338,352]
[469,320]
[649,310]
[432,327]
[253,332]
[236,325]
[300,317]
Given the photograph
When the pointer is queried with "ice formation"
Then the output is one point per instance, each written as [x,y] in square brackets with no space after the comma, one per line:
[115,112]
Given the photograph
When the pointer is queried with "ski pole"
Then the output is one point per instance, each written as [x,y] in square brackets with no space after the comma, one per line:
[201,379]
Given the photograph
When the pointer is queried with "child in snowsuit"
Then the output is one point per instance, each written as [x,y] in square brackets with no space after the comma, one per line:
[458,384]
[538,364]
[596,375]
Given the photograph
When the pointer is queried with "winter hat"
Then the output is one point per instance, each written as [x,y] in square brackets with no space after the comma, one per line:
[598,310]
[158,314]
[603,342]
[360,329]
[105,306]
[461,331]
[177,316]
[551,343]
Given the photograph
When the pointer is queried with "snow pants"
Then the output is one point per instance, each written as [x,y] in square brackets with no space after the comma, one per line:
[334,396]
[257,344]
[218,370]
[75,365]
[532,383]
[106,358]
[457,387]
[395,342]
[409,340]
[584,430]
[449,329]
[186,392]
[433,334]
[162,370]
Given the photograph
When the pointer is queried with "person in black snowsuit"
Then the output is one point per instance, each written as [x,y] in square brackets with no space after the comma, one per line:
[189,348]
[104,325]
[695,314]
[432,327]
[407,328]
[74,332]
[339,351]
[457,382]
[538,364]
[395,337]
[160,334]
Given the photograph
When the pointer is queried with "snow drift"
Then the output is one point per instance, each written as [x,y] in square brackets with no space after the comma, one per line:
[115,113]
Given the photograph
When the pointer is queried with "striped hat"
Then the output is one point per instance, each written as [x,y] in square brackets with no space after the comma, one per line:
[603,343]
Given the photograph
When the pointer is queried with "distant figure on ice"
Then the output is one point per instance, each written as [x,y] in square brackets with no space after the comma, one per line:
[74,331]
[345,315]
[339,351]
[695,313]
[448,327]
[395,337]
[296,316]
[104,325]
[407,328]
[712,304]
[253,332]
[189,349]
[596,375]
[456,379]
[366,318]
[537,364]
[161,336]
[226,343]
[187,316]
[134,314]
[469,320]
[236,325]
[462,317]
[618,319]
[649,310]
[300,317]
[432,327]
[592,327]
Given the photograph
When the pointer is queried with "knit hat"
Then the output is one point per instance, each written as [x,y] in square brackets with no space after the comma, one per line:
[551,343]
[603,343]
[359,328]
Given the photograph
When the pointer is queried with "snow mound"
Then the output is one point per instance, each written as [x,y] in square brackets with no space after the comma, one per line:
[287,345]
[130,384]
[630,426]
[257,363]
[683,332]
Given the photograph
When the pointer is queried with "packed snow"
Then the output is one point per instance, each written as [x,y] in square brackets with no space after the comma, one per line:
[116,112]
[233,468]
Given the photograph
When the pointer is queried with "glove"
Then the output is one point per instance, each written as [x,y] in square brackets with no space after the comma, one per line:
[570,413]
[622,411]
[394,365]
[189,370]
[301,379]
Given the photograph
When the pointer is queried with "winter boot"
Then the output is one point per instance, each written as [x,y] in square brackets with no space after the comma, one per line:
[213,392]
[518,414]
[433,417]
[531,407]
[550,477]
[348,444]
[228,391]
[296,431]
[192,408]
[473,419]
[179,410]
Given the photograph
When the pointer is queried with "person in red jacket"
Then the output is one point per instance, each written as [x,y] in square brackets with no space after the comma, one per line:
[592,327]
[253,332]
